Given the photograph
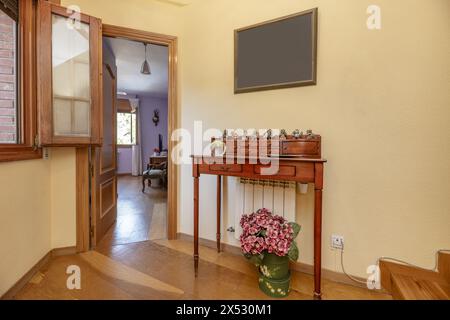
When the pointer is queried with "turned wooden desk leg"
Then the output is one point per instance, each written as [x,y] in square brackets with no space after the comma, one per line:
[196,223]
[317,243]
[219,203]
[318,182]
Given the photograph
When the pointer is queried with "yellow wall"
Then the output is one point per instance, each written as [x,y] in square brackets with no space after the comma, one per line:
[149,15]
[381,104]
[37,212]
[63,197]
[24,218]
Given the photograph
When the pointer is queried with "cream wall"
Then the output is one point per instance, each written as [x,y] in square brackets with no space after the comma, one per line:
[37,212]
[148,15]
[25,235]
[381,104]
[37,197]
[63,197]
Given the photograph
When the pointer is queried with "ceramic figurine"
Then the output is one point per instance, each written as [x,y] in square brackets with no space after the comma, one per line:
[283,134]
[267,134]
[297,134]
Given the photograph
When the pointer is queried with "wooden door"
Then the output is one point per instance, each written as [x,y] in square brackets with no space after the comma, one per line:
[104,182]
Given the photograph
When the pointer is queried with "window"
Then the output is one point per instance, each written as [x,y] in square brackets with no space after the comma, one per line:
[9,132]
[126,128]
[18,104]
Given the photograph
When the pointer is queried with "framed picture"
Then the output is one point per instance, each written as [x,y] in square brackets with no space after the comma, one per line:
[279,53]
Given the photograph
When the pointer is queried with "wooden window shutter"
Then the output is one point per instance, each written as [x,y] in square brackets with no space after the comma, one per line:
[124,106]
[69,83]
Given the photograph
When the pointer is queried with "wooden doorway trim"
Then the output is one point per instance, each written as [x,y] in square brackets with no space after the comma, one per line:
[82,168]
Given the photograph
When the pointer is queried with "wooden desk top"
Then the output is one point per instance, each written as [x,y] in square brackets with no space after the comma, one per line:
[224,160]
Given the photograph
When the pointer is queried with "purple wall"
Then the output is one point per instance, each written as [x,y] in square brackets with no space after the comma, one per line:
[149,133]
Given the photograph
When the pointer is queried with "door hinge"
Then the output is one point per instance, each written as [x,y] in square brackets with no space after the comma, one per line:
[92,231]
[36,143]
[91,168]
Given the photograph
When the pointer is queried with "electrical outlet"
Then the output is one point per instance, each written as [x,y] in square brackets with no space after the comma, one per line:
[46,153]
[337,242]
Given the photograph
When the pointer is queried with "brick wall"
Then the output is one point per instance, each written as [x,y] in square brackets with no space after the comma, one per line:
[8,117]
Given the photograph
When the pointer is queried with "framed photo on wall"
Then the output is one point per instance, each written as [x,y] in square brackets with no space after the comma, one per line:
[279,53]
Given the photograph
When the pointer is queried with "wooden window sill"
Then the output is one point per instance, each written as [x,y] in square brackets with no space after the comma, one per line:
[18,153]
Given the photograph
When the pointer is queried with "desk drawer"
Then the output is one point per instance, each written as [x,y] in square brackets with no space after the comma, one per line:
[235,168]
[283,171]
[301,148]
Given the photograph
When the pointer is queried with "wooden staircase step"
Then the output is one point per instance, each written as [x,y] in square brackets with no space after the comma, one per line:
[411,288]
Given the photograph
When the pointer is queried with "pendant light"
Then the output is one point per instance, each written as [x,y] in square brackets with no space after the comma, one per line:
[145,69]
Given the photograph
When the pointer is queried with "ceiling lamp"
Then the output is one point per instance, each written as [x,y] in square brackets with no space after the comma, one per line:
[145,69]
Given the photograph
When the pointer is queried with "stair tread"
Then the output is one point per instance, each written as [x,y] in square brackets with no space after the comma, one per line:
[414,288]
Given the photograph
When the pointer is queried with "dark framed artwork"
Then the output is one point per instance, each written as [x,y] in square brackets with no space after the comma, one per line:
[279,53]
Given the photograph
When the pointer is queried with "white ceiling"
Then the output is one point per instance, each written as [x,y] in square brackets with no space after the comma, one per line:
[129,59]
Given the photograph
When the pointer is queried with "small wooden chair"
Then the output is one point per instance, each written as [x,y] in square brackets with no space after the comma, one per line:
[155,171]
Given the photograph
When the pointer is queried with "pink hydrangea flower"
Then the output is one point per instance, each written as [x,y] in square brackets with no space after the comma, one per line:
[263,231]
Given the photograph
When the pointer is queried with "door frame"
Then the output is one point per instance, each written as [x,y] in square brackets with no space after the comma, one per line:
[82,154]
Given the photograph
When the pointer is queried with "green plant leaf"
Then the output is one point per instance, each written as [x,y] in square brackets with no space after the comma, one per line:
[293,252]
[296,227]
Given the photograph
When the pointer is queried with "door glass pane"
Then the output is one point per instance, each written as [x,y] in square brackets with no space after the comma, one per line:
[71,78]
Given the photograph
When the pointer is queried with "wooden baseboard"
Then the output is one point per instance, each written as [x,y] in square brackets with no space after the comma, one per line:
[444,265]
[10,294]
[297,266]
[67,251]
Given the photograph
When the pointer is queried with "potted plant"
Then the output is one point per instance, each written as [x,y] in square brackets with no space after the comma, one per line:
[269,242]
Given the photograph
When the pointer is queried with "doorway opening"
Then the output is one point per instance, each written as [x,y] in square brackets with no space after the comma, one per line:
[140,70]
[139,110]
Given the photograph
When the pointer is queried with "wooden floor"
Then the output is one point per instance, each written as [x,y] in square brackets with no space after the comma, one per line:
[127,265]
[140,216]
[163,269]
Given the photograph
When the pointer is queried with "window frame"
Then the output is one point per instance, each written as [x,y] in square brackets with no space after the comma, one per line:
[137,136]
[26,147]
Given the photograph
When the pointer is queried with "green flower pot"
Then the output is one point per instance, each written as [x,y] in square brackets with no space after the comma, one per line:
[274,276]
[274,267]
[275,288]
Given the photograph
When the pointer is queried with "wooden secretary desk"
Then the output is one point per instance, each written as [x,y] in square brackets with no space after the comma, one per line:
[298,159]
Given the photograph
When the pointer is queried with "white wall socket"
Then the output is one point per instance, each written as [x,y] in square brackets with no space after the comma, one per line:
[337,242]
[45,153]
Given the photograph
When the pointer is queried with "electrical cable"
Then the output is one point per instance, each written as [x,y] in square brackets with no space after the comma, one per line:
[343,269]
[390,259]
[413,265]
